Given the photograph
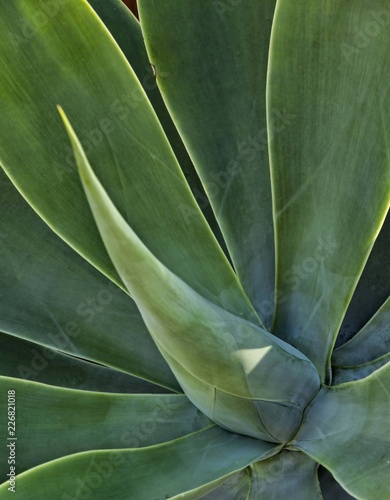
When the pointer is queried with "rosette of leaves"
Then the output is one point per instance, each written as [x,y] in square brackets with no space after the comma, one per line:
[194,284]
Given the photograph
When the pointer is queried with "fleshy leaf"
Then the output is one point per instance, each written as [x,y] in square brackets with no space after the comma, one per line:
[342,374]
[207,57]
[202,342]
[127,33]
[330,172]
[372,342]
[352,420]
[73,60]
[373,288]
[52,296]
[178,466]
[28,361]
[52,422]
[285,475]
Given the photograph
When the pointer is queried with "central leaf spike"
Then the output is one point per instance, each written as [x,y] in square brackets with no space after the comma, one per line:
[238,374]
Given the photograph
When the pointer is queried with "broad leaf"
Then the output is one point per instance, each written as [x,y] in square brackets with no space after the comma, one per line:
[211,66]
[52,296]
[52,422]
[352,420]
[28,361]
[178,466]
[72,60]
[203,343]
[330,171]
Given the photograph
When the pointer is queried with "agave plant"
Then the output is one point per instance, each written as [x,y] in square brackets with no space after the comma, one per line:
[194,275]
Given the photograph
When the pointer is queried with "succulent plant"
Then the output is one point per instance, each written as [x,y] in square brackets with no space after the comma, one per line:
[194,249]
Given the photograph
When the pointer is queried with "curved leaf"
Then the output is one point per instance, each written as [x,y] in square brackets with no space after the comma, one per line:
[208,56]
[178,466]
[28,361]
[72,60]
[352,420]
[202,343]
[204,490]
[52,296]
[331,489]
[127,33]
[52,422]
[332,164]
[369,344]
[236,487]
[342,374]
[288,474]
[373,288]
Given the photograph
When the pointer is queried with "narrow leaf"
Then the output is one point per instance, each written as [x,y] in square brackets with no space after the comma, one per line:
[342,374]
[373,288]
[372,342]
[288,474]
[29,361]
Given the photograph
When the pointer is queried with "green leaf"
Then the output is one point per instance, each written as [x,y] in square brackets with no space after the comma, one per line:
[331,489]
[372,342]
[288,474]
[73,60]
[285,475]
[373,288]
[178,466]
[330,172]
[236,487]
[26,360]
[207,56]
[204,490]
[52,296]
[204,344]
[52,422]
[342,374]
[352,420]
[126,30]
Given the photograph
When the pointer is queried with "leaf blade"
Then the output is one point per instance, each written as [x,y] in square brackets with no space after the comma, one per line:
[370,343]
[328,434]
[205,344]
[75,421]
[179,466]
[77,315]
[312,169]
[225,134]
[30,361]
[77,60]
